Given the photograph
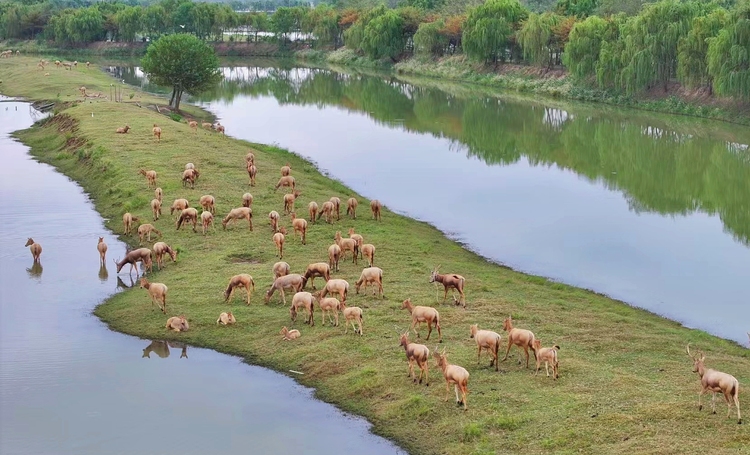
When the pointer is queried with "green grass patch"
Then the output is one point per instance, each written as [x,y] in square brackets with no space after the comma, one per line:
[625,384]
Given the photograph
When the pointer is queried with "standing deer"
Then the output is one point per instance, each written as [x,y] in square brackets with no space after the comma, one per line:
[450,281]
[716,381]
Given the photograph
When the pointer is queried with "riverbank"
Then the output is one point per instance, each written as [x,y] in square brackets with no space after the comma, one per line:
[626,383]
[553,84]
[138,49]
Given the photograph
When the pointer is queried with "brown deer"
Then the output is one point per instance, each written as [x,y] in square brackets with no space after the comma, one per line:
[450,281]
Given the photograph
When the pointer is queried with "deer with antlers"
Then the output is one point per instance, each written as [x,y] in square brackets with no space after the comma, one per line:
[450,281]
[716,381]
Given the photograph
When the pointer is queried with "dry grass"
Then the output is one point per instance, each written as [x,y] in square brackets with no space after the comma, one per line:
[625,384]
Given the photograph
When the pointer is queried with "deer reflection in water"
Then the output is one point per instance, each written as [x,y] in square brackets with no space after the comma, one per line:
[161,348]
[103,273]
[35,271]
[121,284]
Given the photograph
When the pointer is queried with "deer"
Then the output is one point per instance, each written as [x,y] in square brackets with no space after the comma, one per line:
[145,230]
[351,207]
[252,171]
[289,201]
[189,215]
[336,206]
[489,340]
[157,292]
[371,275]
[247,200]
[132,258]
[317,270]
[189,176]
[454,374]
[127,221]
[238,214]
[347,245]
[334,254]
[376,207]
[150,177]
[242,280]
[286,169]
[327,210]
[299,225]
[156,208]
[716,381]
[312,209]
[273,219]
[278,240]
[35,248]
[522,338]
[303,300]
[450,281]
[419,354]
[293,282]
[179,205]
[157,132]
[208,203]
[357,238]
[548,356]
[160,249]
[285,181]
[420,314]
[102,248]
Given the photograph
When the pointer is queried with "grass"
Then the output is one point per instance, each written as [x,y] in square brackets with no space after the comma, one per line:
[625,384]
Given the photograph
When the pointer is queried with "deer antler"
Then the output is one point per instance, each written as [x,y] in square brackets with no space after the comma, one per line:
[688,351]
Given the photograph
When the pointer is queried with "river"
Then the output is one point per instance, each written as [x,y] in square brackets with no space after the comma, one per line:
[69,385]
[653,210]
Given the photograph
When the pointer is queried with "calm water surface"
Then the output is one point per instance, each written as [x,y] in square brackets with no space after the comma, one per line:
[68,385]
[650,209]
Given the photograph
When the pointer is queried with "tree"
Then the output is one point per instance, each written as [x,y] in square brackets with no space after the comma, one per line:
[430,38]
[650,49]
[729,56]
[282,22]
[155,20]
[692,61]
[489,28]
[578,8]
[536,36]
[183,62]
[129,22]
[584,44]
[384,36]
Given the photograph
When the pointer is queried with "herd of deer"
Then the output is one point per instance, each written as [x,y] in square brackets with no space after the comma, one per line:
[330,306]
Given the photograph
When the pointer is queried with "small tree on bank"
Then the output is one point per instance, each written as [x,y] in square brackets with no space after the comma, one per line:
[183,62]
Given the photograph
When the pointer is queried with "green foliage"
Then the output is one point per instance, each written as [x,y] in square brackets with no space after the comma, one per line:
[129,22]
[650,50]
[490,27]
[578,8]
[584,45]
[283,22]
[384,36]
[183,62]
[155,20]
[323,23]
[430,39]
[692,50]
[77,26]
[729,56]
[535,37]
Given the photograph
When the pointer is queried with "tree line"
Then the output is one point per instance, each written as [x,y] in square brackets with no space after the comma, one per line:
[703,45]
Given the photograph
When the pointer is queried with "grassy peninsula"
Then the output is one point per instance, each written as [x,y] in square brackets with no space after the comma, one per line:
[626,384]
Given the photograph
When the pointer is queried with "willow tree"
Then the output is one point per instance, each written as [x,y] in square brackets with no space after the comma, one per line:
[729,56]
[692,51]
[384,36]
[129,22]
[323,23]
[650,48]
[584,45]
[536,36]
[183,62]
[489,29]
[354,35]
[430,38]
